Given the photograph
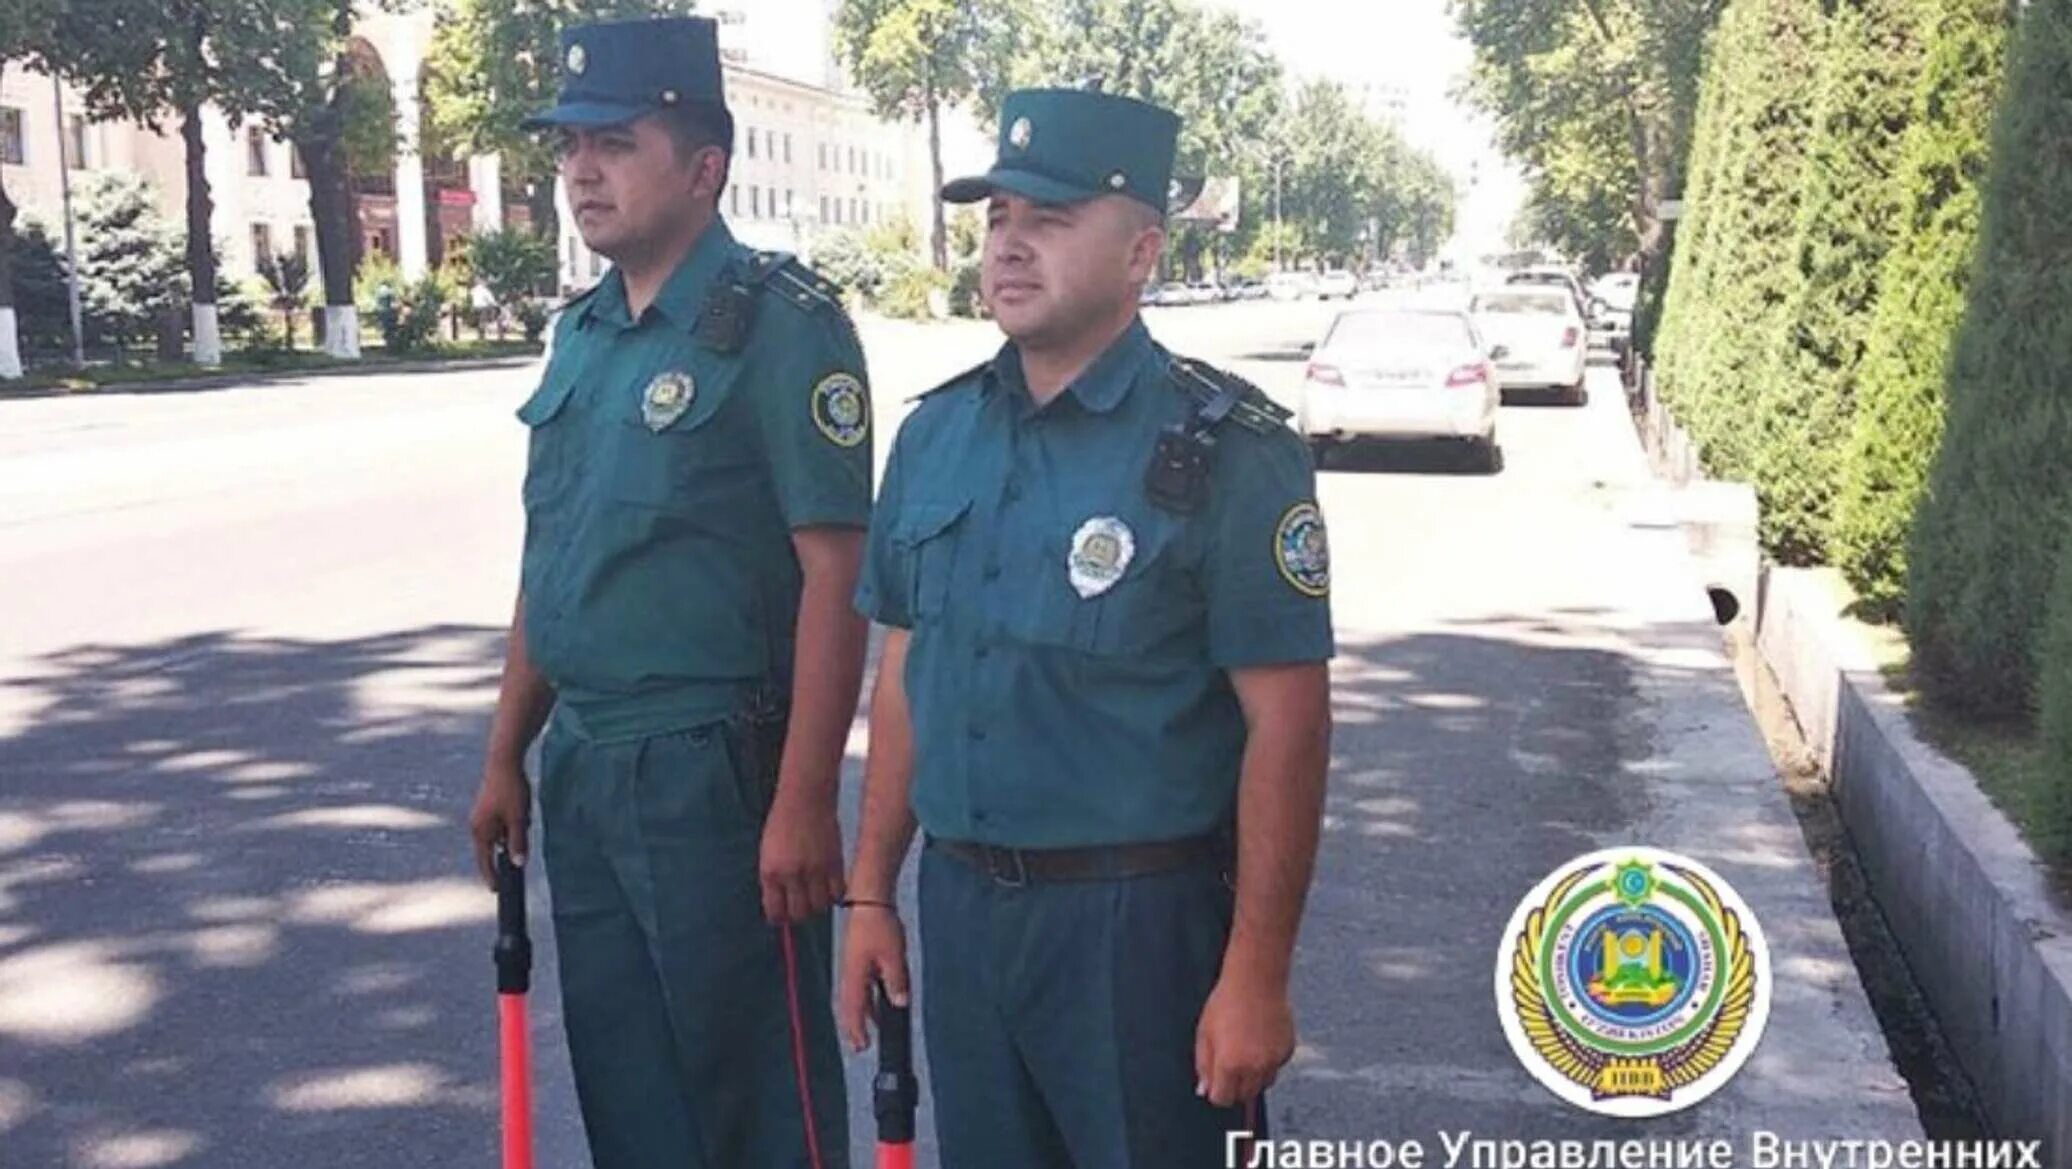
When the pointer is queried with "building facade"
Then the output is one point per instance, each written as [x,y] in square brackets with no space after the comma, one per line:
[809,155]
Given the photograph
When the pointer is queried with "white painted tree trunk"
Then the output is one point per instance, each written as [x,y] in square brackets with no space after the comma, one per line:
[342,331]
[10,347]
[208,342]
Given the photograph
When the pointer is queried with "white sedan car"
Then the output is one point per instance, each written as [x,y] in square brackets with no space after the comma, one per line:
[1537,338]
[1394,373]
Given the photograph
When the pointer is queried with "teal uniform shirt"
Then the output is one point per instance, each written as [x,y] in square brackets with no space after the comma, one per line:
[666,475]
[1067,673]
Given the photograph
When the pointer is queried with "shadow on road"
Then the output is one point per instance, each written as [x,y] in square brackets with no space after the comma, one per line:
[180,820]
[1406,457]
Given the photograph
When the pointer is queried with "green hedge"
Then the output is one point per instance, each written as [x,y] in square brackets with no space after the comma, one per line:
[1985,546]
[1899,414]
[1849,200]
[1765,57]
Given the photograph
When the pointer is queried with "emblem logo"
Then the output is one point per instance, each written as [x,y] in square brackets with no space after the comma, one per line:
[1303,550]
[1019,134]
[578,59]
[666,399]
[1633,982]
[842,410]
[1101,552]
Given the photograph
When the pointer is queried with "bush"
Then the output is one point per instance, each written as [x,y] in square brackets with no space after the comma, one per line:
[378,270]
[844,258]
[2049,826]
[1984,551]
[42,304]
[414,325]
[907,291]
[1849,206]
[965,300]
[532,316]
[132,264]
[1898,421]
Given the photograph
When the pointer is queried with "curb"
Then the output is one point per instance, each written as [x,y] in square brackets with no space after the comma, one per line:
[266,377]
[1966,898]
[1963,893]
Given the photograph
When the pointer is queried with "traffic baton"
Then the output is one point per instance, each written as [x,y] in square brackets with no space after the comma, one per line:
[513,980]
[894,1091]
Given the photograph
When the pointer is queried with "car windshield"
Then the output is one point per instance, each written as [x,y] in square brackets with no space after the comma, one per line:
[1423,332]
[1621,295]
[1527,304]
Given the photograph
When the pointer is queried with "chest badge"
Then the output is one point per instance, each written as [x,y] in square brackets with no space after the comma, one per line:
[667,397]
[1101,552]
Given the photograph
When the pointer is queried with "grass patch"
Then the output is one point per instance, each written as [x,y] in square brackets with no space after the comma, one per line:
[252,361]
[2008,760]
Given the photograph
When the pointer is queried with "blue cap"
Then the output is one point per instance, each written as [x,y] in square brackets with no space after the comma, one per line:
[613,72]
[1071,145]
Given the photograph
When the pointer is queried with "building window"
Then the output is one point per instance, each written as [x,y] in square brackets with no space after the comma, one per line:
[823,145]
[295,170]
[75,142]
[11,136]
[734,202]
[302,246]
[262,243]
[751,142]
[255,152]
[755,202]
[823,209]
[787,148]
[787,202]
[852,160]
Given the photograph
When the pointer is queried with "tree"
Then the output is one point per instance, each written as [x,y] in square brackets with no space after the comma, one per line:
[151,60]
[1986,542]
[130,260]
[321,92]
[493,63]
[1898,422]
[26,28]
[1596,99]
[287,286]
[914,57]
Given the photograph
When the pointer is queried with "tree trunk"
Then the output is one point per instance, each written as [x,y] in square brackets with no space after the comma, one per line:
[201,251]
[939,235]
[331,211]
[10,346]
[539,203]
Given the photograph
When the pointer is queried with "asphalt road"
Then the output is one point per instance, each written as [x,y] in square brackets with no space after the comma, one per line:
[249,642]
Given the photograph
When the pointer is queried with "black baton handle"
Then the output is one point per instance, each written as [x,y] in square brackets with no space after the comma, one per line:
[513,945]
[894,1092]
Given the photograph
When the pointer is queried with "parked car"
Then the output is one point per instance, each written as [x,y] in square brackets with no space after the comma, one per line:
[1251,290]
[1149,295]
[1556,278]
[1536,335]
[1173,295]
[1399,373]
[1337,282]
[1204,292]
[1290,285]
[1612,301]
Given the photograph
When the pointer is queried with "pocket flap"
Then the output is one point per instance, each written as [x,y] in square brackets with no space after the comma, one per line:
[917,523]
[547,401]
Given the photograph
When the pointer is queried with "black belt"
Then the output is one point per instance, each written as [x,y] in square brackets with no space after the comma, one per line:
[1109,862]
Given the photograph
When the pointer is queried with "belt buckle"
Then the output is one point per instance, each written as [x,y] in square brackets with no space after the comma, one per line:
[1015,877]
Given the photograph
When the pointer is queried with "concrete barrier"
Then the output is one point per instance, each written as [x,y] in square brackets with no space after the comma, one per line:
[1967,899]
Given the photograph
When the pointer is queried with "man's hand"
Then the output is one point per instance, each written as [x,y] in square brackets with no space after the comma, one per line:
[503,810]
[801,868]
[873,947]
[1246,1035]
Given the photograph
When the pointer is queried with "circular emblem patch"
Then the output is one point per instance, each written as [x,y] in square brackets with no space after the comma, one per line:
[578,59]
[1633,982]
[842,410]
[1019,134]
[1101,552]
[666,399]
[1303,550]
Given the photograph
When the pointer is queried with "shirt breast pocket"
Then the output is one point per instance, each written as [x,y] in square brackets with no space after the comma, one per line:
[1146,610]
[925,536]
[690,464]
[546,471]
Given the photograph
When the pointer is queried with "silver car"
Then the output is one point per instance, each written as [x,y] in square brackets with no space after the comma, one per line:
[1395,373]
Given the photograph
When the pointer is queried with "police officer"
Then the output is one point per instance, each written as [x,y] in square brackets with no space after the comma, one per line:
[697,487]
[1104,575]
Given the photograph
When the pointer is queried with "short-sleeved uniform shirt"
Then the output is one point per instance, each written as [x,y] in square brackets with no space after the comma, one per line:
[666,477]
[1071,641]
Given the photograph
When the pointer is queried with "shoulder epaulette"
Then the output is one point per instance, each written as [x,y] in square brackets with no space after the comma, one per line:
[1204,384]
[954,381]
[793,282]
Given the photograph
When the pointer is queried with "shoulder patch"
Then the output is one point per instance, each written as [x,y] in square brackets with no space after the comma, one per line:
[1204,383]
[955,381]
